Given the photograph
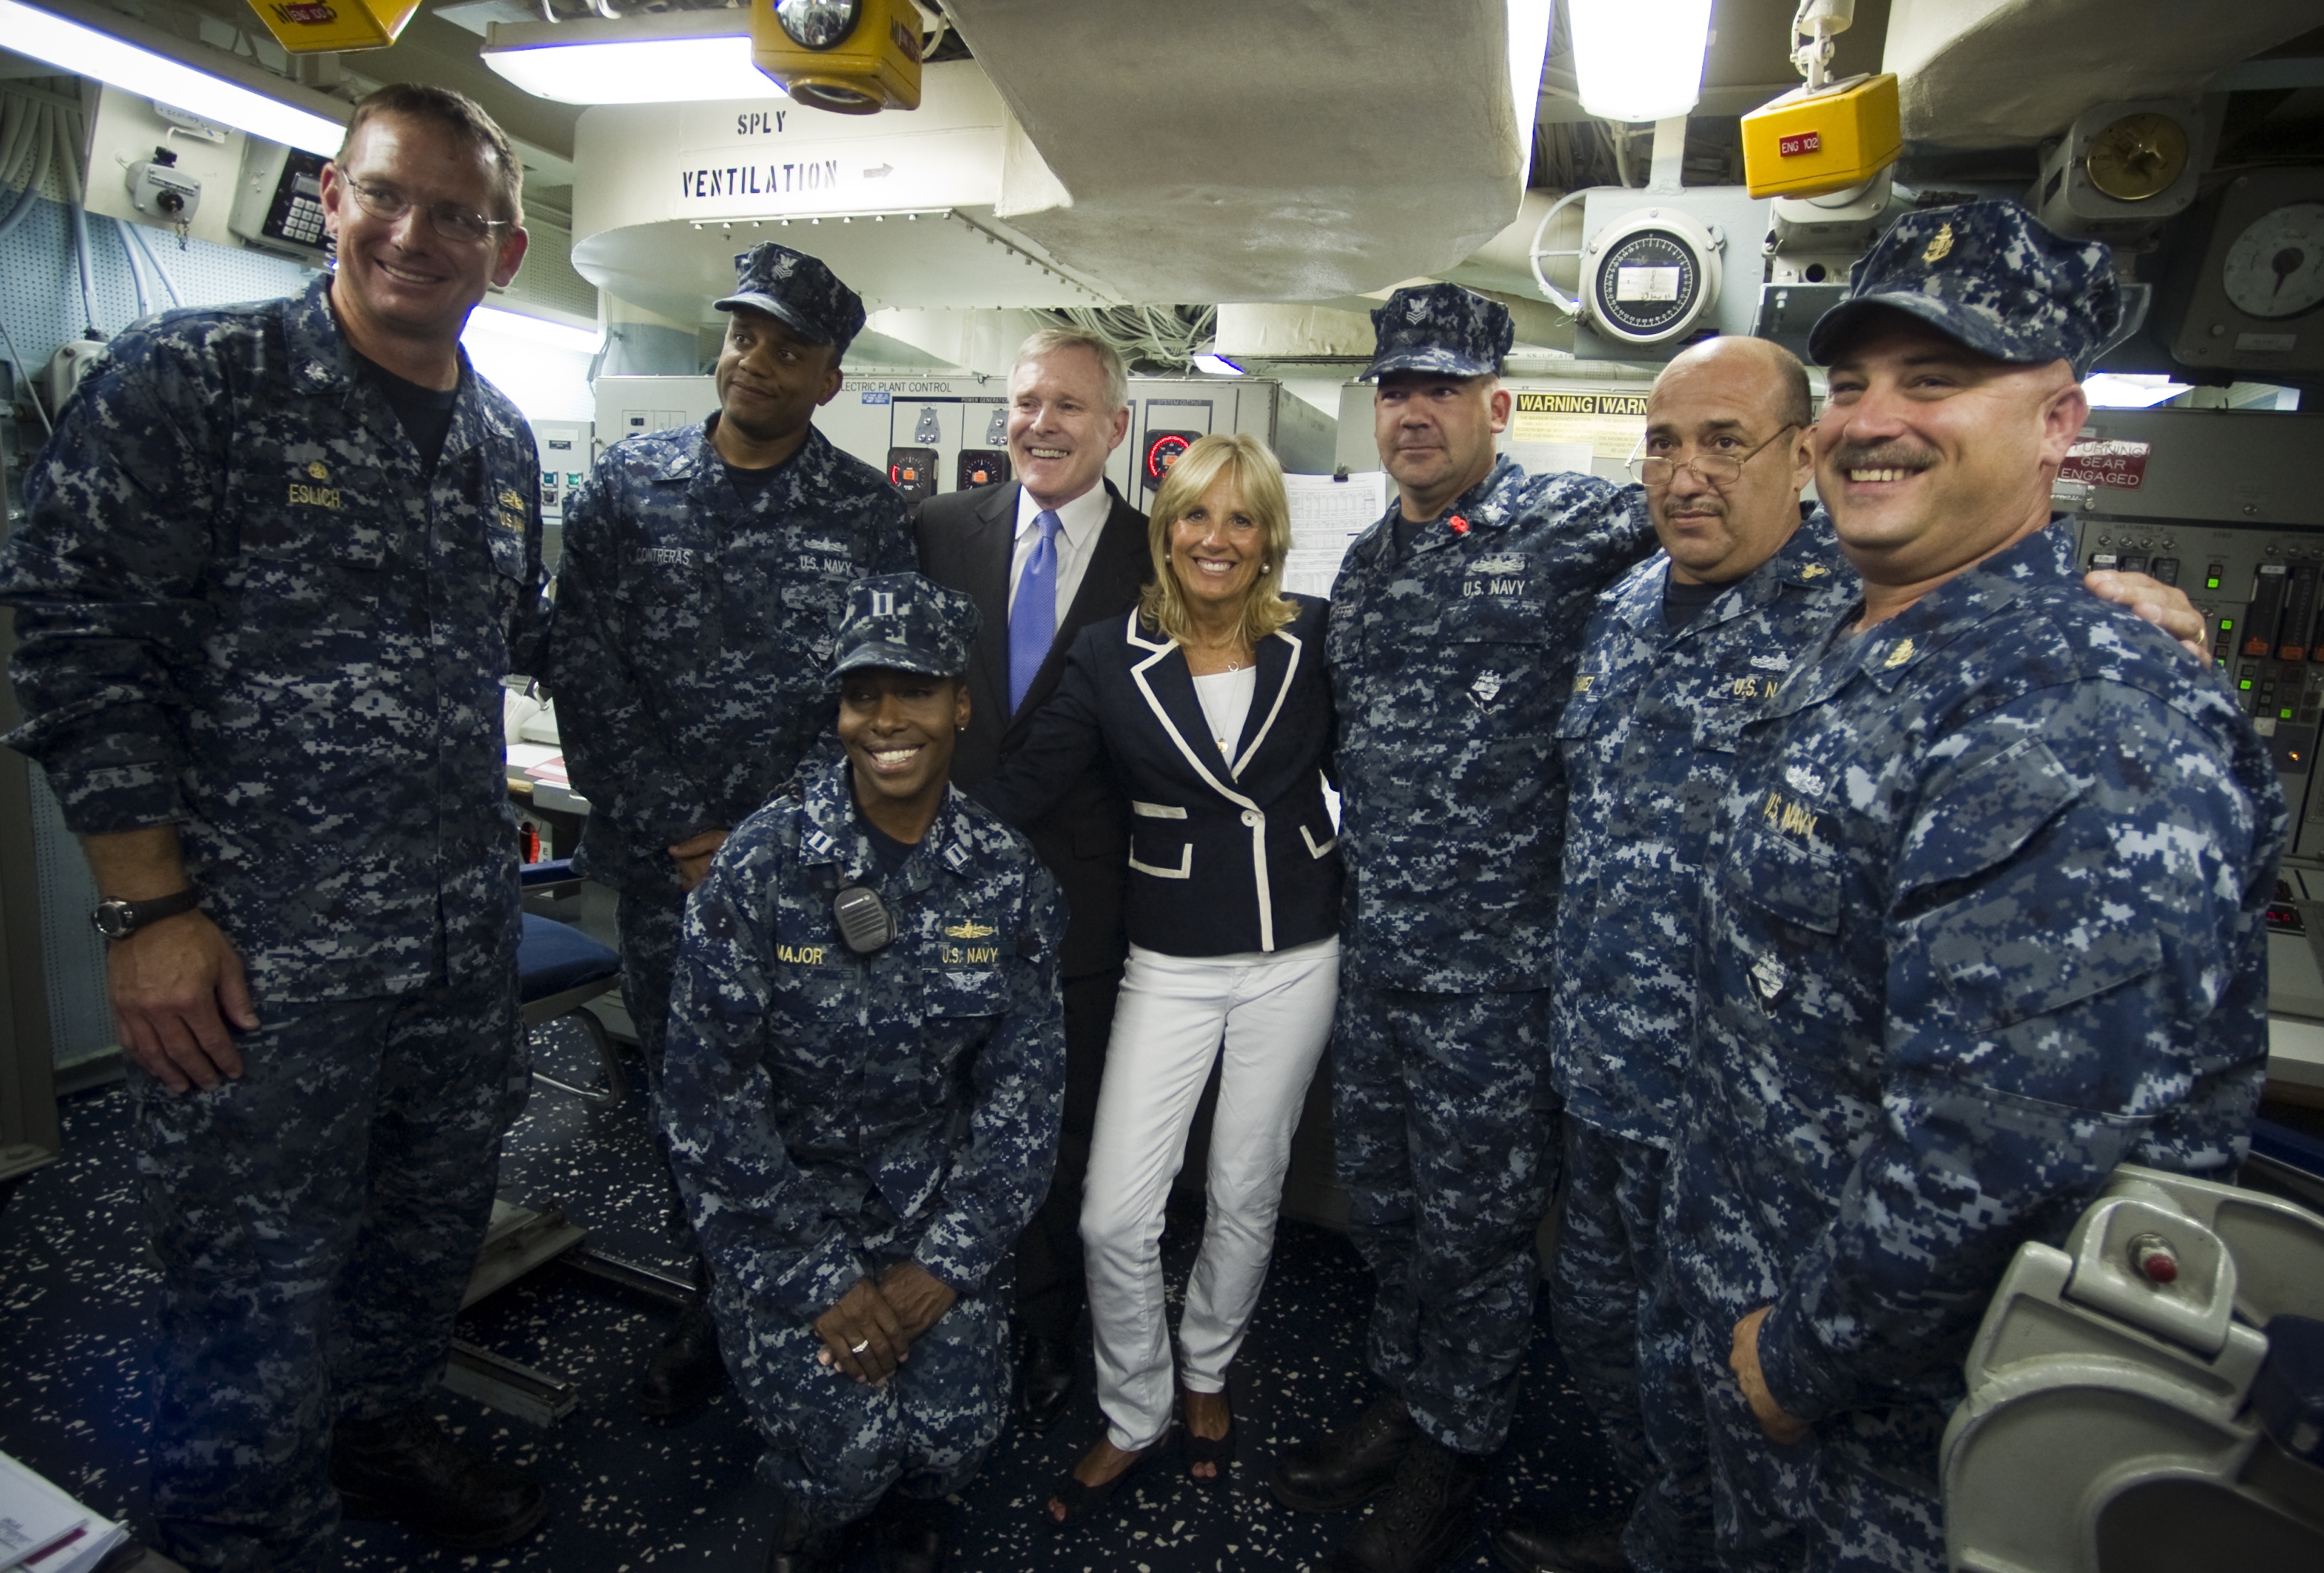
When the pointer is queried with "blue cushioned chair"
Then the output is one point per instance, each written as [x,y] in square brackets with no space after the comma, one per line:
[559,970]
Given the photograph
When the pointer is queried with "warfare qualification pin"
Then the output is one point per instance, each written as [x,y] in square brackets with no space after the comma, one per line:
[1768,981]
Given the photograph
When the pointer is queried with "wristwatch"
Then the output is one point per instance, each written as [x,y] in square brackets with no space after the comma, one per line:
[117,920]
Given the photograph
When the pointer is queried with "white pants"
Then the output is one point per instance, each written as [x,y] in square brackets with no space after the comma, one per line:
[1266,1018]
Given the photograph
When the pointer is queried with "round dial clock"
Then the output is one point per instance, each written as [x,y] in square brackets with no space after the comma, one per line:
[2276,268]
[2139,156]
[1649,277]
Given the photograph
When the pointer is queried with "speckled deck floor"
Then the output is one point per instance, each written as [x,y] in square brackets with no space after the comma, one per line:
[631,1494]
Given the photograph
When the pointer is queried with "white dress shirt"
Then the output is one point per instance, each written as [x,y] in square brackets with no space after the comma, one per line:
[1079,524]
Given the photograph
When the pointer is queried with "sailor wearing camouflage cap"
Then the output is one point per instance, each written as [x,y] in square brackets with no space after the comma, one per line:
[1950,977]
[862,1093]
[704,570]
[1451,641]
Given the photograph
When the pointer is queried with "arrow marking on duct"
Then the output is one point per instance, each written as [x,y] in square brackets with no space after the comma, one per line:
[882,173]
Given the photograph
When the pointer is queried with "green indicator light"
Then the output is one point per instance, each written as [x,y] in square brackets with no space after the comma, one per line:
[2226,623]
[2211,584]
[2283,714]
[2244,684]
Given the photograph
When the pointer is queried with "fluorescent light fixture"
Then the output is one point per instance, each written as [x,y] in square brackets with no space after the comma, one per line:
[2130,390]
[670,58]
[586,341]
[1639,59]
[1217,366]
[86,52]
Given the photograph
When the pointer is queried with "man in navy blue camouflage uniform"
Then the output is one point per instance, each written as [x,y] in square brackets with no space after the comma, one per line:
[862,1124]
[1680,656]
[704,570]
[1989,922]
[1455,624]
[275,561]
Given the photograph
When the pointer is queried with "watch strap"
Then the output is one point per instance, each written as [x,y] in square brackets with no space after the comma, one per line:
[129,916]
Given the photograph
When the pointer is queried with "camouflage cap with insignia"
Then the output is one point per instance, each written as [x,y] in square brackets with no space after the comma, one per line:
[1440,327]
[1987,274]
[798,290]
[906,623]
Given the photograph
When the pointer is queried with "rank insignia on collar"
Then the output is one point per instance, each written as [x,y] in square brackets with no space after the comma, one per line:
[1899,655]
[318,471]
[511,500]
[970,929]
[1814,571]
[1459,525]
[1939,246]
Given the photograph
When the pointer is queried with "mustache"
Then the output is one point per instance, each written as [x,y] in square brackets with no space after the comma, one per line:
[1882,455]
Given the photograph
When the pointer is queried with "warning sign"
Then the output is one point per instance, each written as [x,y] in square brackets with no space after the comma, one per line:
[1607,423]
[2119,464]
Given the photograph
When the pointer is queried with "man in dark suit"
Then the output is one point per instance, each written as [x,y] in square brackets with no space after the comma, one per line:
[1044,555]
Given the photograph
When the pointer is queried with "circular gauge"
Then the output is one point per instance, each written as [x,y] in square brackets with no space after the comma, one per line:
[2139,156]
[818,24]
[2276,268]
[1651,275]
[1162,449]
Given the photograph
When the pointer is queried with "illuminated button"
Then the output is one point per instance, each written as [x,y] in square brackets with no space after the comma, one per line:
[2154,1259]
[2283,714]
[2244,684]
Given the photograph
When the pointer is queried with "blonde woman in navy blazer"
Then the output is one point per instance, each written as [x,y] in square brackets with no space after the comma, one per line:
[1210,703]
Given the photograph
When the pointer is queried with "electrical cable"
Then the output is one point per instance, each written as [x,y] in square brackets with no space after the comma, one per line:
[136,273]
[136,232]
[43,148]
[70,172]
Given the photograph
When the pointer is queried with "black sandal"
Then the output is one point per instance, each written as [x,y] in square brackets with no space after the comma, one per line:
[1215,1451]
[1082,1502]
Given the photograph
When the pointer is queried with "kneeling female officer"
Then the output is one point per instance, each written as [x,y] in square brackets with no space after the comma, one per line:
[865,1063]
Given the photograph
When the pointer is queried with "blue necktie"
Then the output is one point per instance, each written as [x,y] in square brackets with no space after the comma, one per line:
[1033,616]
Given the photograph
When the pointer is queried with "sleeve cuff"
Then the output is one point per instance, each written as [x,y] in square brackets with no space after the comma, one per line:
[114,798]
[955,1256]
[815,1283]
[1795,1379]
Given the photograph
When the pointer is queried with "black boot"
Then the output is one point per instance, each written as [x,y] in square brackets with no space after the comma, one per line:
[795,1548]
[1045,1382]
[404,1467]
[1533,1542]
[685,1372]
[1425,1520]
[1349,1465]
[909,1534]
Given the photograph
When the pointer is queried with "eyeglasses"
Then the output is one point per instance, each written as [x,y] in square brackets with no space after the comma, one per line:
[1720,470]
[448,219]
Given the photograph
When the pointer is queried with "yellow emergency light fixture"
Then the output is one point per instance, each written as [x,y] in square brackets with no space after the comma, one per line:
[852,57]
[306,27]
[1814,140]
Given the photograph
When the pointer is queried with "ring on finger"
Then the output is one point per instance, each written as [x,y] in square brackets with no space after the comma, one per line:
[859,1348]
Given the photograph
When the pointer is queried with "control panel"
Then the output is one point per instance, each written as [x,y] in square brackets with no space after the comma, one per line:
[2257,591]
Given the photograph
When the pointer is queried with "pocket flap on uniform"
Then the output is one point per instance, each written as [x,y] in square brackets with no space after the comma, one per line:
[1986,815]
[1787,876]
[1998,969]
[1155,810]
[972,982]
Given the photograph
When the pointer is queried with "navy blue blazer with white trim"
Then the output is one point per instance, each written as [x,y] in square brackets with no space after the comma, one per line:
[1227,855]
